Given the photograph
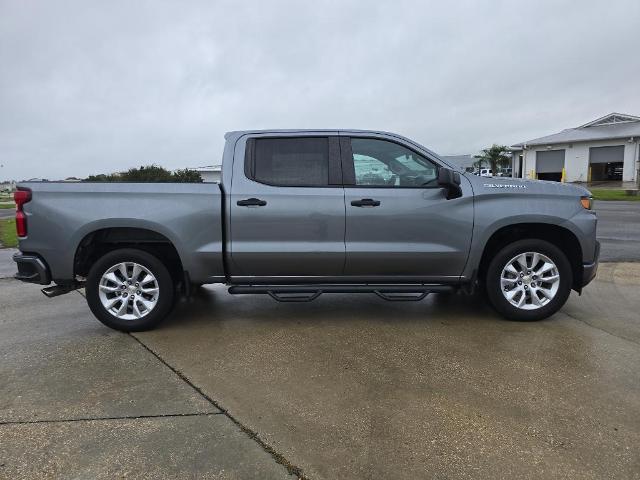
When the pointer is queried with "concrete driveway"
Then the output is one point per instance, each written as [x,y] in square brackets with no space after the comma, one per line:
[345,387]
[78,400]
[7,265]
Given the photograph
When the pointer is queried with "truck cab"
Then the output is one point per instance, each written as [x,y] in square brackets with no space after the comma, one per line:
[342,206]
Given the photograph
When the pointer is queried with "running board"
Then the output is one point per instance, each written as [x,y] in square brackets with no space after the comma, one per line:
[57,290]
[307,293]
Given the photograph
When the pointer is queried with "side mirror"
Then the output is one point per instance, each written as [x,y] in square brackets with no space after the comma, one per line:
[449,180]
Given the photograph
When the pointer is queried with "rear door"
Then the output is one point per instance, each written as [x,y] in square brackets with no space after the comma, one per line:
[399,222]
[287,214]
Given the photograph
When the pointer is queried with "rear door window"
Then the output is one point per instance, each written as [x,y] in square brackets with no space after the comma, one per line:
[293,162]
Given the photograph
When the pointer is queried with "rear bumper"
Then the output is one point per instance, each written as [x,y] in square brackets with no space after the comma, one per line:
[32,269]
[589,269]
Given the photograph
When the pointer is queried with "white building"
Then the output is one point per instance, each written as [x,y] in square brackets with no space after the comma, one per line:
[607,148]
[209,173]
[8,186]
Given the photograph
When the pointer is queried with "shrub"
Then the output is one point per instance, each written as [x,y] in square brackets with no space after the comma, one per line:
[149,173]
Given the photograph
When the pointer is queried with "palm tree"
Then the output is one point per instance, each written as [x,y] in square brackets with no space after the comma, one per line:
[496,156]
[478,164]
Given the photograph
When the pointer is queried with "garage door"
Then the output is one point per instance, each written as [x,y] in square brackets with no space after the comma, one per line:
[606,163]
[549,164]
[606,154]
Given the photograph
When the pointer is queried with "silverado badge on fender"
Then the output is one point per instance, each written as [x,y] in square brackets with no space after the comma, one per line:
[503,185]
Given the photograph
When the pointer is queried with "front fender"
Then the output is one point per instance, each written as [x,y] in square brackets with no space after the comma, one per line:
[567,215]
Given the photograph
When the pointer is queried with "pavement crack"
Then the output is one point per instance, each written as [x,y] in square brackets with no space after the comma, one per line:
[93,419]
[601,329]
[278,457]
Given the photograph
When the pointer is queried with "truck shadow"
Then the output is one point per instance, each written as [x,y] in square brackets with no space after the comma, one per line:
[212,304]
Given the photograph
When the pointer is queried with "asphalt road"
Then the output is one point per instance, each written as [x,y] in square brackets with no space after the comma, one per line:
[7,212]
[344,387]
[618,231]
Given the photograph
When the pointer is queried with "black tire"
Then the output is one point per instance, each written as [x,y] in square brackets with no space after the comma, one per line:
[500,260]
[166,290]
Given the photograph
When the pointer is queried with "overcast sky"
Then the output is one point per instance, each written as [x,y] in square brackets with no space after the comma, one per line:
[100,86]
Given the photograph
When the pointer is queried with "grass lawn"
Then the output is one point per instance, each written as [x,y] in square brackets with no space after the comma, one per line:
[7,205]
[613,195]
[8,236]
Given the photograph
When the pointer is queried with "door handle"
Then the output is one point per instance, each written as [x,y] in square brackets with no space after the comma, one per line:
[251,202]
[366,202]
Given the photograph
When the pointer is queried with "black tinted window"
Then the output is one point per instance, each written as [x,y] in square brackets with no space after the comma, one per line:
[291,161]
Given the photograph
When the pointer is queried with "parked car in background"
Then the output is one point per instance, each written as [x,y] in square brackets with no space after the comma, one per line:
[299,213]
[486,172]
[614,171]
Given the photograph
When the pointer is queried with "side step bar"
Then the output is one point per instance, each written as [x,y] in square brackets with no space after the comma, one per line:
[57,290]
[307,293]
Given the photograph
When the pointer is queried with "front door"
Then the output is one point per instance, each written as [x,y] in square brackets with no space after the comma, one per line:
[287,208]
[399,222]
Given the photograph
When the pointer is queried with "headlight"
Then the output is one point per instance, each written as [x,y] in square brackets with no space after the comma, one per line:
[587,202]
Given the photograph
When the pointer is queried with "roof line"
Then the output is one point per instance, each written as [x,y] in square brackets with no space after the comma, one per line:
[535,142]
[633,117]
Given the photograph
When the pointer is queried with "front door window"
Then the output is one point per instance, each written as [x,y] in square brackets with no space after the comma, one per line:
[379,163]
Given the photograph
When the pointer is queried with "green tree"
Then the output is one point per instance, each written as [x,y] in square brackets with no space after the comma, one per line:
[496,156]
[149,173]
[187,176]
[112,177]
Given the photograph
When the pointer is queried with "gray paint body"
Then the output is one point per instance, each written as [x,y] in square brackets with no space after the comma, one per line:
[305,234]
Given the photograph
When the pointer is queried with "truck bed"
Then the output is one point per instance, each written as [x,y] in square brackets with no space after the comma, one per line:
[61,215]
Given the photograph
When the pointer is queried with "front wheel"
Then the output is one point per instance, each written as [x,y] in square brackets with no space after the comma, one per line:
[529,280]
[129,290]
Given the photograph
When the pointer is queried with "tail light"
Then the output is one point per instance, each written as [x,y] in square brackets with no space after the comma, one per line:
[21,197]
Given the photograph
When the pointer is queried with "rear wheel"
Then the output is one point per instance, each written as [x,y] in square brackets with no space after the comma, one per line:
[529,280]
[129,290]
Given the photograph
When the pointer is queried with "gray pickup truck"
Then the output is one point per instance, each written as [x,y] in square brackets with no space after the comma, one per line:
[299,213]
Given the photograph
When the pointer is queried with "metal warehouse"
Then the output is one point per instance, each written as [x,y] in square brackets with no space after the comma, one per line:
[605,149]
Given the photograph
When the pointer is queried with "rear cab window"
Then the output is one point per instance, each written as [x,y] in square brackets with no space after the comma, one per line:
[292,161]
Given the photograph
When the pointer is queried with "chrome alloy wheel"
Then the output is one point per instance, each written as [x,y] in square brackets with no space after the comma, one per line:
[128,291]
[530,280]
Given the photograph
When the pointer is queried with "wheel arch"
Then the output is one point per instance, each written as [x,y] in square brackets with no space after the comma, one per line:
[100,241]
[561,237]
